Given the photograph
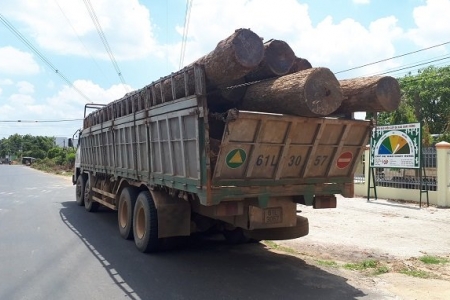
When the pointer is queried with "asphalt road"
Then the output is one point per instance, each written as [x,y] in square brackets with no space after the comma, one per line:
[50,248]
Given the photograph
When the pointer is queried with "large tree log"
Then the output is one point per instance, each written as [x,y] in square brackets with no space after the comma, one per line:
[277,61]
[233,58]
[310,93]
[300,64]
[227,65]
[369,94]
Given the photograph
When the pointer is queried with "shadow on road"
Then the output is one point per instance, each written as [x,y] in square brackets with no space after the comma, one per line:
[395,204]
[204,269]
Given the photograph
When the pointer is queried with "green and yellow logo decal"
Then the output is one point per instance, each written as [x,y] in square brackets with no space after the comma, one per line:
[236,158]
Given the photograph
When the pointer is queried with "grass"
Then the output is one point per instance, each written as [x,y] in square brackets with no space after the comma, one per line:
[327,263]
[381,270]
[375,267]
[433,260]
[365,264]
[416,273]
[275,246]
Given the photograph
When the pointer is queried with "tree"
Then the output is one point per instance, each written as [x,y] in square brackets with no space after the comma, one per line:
[428,93]
[27,145]
[426,99]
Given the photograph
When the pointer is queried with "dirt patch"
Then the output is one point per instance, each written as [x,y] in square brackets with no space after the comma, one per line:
[392,234]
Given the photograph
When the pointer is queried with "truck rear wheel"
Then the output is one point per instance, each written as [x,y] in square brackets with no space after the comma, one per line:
[89,204]
[127,201]
[145,223]
[79,189]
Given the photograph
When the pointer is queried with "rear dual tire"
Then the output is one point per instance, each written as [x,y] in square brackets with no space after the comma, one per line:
[145,223]
[125,212]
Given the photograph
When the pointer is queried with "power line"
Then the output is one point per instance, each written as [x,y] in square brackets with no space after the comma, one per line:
[40,55]
[394,57]
[79,39]
[409,65]
[412,65]
[105,42]
[40,121]
[185,31]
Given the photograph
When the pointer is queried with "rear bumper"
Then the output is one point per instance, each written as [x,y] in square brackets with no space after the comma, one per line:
[284,233]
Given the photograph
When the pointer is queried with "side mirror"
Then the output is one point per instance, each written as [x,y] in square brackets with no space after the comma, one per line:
[70,142]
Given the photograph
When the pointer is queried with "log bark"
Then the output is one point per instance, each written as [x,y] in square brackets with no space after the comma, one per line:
[300,64]
[277,61]
[311,93]
[369,94]
[233,58]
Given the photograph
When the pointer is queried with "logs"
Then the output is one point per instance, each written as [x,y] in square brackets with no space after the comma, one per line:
[369,94]
[233,58]
[266,77]
[300,64]
[278,60]
[310,93]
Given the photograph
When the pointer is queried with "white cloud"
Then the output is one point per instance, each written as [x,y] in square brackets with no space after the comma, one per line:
[64,104]
[68,104]
[25,87]
[126,25]
[269,19]
[329,44]
[432,23]
[6,82]
[14,61]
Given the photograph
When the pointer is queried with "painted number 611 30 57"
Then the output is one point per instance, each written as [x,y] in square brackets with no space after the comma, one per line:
[320,160]
[295,160]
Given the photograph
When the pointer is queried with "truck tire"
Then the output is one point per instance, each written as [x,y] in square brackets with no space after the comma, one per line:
[145,223]
[89,204]
[79,189]
[127,201]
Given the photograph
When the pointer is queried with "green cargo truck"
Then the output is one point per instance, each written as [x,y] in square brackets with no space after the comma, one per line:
[171,167]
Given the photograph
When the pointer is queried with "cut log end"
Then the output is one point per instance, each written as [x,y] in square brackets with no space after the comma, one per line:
[279,56]
[300,64]
[323,94]
[388,93]
[370,94]
[248,48]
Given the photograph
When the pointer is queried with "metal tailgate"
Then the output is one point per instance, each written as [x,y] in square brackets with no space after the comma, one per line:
[262,147]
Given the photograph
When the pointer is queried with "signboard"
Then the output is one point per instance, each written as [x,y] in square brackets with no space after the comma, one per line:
[396,146]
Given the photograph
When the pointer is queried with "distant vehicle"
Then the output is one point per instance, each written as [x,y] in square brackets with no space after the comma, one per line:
[5,161]
[27,160]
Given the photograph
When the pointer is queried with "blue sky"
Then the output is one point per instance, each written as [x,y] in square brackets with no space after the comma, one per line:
[145,39]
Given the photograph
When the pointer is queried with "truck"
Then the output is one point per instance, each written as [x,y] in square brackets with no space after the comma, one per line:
[172,167]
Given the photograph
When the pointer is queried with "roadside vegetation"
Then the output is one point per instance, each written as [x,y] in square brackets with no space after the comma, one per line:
[425,267]
[47,156]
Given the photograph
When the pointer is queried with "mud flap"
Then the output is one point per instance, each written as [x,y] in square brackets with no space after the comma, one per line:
[174,215]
